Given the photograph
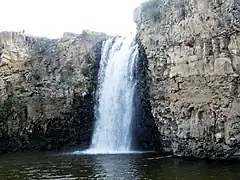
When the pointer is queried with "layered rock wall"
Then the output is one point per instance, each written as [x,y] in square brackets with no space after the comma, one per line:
[193,52]
[47,90]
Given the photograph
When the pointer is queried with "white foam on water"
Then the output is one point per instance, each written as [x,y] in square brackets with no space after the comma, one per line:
[97,152]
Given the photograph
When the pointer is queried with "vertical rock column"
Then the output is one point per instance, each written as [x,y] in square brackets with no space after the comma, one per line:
[193,53]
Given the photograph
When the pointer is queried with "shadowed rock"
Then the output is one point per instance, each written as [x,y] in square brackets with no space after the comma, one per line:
[47,90]
[193,52]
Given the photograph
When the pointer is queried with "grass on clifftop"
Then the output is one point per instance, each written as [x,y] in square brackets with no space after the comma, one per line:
[155,10]
[151,9]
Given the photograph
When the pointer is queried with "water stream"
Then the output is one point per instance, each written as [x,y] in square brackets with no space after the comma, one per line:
[116,83]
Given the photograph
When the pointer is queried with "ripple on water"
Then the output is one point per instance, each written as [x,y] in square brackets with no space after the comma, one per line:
[113,166]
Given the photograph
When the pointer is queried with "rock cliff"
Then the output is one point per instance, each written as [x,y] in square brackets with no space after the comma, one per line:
[47,90]
[193,55]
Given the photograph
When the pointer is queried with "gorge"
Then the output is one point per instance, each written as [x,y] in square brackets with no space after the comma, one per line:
[186,85]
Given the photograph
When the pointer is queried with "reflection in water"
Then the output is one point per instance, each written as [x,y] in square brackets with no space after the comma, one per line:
[113,167]
[116,167]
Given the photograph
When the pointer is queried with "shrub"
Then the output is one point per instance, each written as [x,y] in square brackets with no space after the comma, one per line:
[151,9]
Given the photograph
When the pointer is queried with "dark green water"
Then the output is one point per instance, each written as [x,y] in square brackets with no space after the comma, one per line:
[113,167]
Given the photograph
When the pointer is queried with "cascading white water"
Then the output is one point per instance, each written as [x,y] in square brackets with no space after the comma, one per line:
[115,96]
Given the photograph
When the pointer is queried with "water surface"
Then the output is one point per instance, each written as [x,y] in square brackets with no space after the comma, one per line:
[112,167]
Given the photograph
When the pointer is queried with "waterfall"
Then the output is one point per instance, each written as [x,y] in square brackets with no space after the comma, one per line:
[116,84]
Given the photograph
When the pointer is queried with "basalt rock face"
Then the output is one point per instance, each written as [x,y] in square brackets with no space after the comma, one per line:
[47,90]
[145,135]
[193,54]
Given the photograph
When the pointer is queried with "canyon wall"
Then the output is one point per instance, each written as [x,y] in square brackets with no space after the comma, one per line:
[193,53]
[47,90]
